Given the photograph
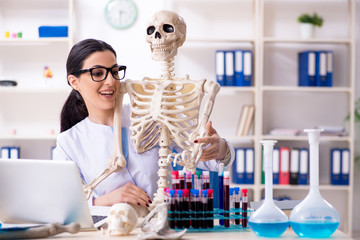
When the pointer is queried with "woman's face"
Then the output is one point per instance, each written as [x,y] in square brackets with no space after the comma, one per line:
[99,97]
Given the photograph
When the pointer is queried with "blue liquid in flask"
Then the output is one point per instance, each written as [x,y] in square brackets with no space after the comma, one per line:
[314,229]
[269,229]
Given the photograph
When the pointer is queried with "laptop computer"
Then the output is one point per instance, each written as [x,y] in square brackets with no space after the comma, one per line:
[43,191]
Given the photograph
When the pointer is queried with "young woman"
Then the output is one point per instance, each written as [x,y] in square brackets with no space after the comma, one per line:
[87,130]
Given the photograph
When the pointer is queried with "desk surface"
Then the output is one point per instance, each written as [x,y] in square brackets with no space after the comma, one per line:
[246,234]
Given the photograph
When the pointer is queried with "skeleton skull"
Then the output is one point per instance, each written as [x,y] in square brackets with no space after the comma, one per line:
[166,32]
[122,219]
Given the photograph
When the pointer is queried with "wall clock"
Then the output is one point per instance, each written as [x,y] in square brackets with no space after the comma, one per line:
[121,14]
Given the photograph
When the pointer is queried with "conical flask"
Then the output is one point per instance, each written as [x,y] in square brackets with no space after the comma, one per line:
[268,220]
[314,217]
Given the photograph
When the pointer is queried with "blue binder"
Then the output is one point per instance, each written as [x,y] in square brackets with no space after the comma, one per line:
[345,167]
[238,67]
[276,165]
[229,68]
[304,166]
[239,166]
[14,152]
[220,67]
[306,68]
[249,165]
[329,68]
[5,152]
[247,68]
[335,166]
[321,69]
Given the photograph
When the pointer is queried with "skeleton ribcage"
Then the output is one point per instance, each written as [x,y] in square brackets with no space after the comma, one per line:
[169,103]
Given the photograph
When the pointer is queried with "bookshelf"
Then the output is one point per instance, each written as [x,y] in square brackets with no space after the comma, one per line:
[35,125]
[270,30]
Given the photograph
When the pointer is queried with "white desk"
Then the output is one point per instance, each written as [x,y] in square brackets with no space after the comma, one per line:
[246,234]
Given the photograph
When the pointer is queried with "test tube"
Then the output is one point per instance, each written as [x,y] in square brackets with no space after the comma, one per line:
[182,179]
[194,208]
[180,201]
[166,196]
[206,180]
[210,215]
[226,199]
[197,179]
[231,204]
[221,191]
[172,208]
[237,205]
[189,180]
[186,208]
[175,180]
[204,207]
[244,208]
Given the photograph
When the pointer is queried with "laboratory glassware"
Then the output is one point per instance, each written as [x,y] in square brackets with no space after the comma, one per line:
[268,220]
[314,217]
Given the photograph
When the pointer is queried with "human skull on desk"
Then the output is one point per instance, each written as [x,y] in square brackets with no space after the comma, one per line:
[121,220]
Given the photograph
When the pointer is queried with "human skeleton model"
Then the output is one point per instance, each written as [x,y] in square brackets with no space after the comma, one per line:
[164,109]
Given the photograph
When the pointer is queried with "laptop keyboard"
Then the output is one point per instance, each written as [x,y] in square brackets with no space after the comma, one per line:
[97,218]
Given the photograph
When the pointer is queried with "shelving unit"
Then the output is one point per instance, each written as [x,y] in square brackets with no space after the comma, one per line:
[35,125]
[269,29]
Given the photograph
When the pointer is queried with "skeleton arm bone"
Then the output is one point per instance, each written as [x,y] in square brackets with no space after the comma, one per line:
[117,160]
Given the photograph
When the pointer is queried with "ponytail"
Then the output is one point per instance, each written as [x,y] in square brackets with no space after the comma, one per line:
[73,111]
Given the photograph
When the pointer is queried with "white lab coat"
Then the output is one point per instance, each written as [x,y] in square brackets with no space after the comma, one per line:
[90,145]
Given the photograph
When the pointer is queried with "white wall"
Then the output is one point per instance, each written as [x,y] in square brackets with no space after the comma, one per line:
[134,52]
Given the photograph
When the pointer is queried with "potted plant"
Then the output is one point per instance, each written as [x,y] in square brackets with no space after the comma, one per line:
[307,24]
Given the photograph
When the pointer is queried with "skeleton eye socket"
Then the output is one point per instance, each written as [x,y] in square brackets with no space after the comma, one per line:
[168,28]
[150,30]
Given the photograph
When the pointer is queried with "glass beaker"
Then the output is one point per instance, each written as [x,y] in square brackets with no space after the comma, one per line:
[314,217]
[268,220]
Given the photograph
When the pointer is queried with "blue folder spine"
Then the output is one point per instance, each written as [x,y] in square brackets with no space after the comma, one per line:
[220,67]
[306,68]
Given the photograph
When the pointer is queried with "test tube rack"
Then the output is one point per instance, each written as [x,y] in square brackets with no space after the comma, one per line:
[215,216]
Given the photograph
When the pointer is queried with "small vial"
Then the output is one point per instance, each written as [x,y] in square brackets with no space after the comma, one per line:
[226,198]
[180,201]
[237,205]
[189,180]
[210,222]
[175,180]
[244,208]
[221,191]
[204,207]
[206,180]
[182,179]
[173,216]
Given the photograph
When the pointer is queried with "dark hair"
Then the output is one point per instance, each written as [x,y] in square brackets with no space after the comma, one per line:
[74,109]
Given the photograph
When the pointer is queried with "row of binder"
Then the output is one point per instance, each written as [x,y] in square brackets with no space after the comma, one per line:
[340,166]
[12,152]
[290,166]
[243,166]
[315,68]
[234,67]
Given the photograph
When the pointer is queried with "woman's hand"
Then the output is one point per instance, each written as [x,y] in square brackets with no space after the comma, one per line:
[217,146]
[128,193]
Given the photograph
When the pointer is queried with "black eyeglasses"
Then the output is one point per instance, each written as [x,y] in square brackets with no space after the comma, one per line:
[99,74]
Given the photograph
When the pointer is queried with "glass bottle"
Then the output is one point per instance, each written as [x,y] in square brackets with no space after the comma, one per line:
[314,217]
[268,220]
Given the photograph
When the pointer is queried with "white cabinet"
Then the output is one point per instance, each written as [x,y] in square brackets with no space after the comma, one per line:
[29,112]
[270,29]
